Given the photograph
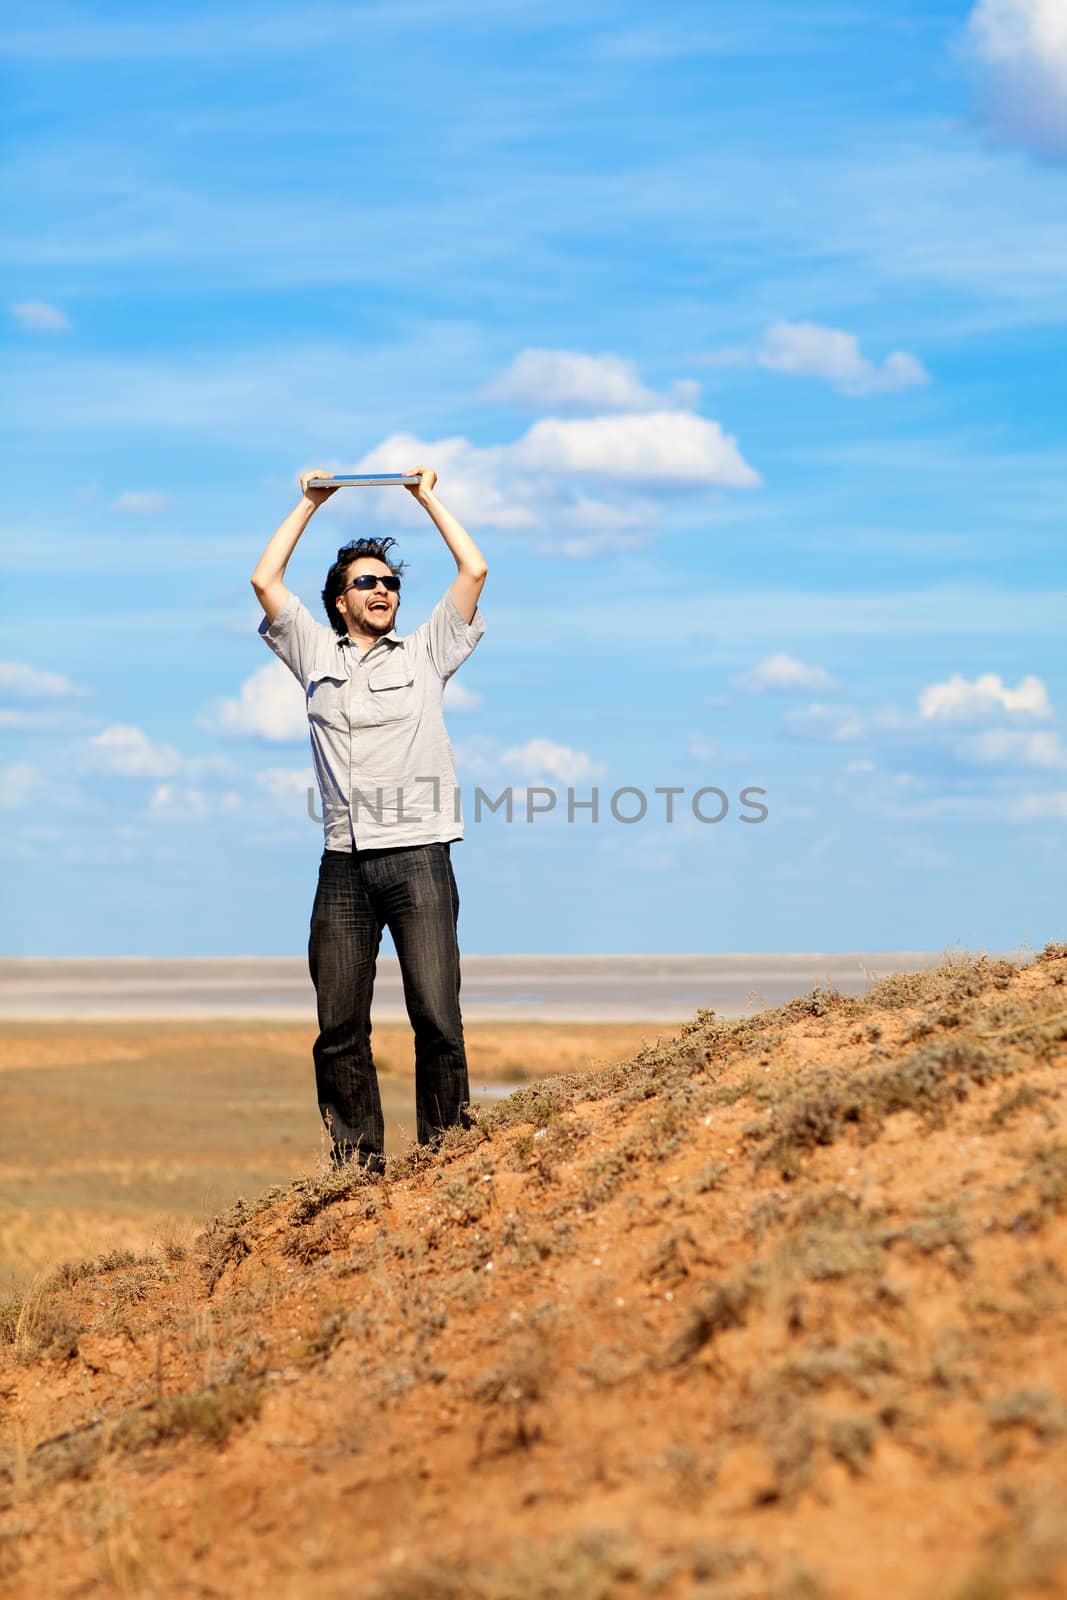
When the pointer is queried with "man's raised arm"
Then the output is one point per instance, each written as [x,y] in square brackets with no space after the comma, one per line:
[268,580]
[470,579]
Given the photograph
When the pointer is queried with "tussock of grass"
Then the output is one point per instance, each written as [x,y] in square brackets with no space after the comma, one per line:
[961,977]
[131,1288]
[465,1198]
[585,1566]
[790,1437]
[838,1245]
[225,1241]
[852,1440]
[416,1158]
[210,1414]
[1045,1172]
[1038,1410]
[10,1311]
[510,1392]
[603,1176]
[309,1244]
[1026,1558]
[74,1457]
[709,1177]
[603,1564]
[526,1246]
[765,1215]
[342,1183]
[224,1246]
[322,1338]
[1027,1097]
[72,1273]
[934,1077]
[827,1100]
[47,1325]
[1047,1169]
[953,1361]
[857,1365]
[1040,1292]
[725,1307]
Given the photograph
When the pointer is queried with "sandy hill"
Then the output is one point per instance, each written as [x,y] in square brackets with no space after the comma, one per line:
[777,1309]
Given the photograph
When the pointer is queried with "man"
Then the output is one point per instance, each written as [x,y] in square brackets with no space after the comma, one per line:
[390,808]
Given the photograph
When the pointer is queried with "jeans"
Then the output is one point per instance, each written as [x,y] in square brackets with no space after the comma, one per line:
[413,893]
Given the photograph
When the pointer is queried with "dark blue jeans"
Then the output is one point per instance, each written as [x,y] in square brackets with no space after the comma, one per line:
[413,893]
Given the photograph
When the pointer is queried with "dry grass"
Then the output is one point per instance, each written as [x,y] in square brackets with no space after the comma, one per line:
[773,1309]
[210,1415]
[149,1164]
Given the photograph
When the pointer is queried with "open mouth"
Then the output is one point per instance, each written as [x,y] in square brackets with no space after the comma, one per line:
[378,605]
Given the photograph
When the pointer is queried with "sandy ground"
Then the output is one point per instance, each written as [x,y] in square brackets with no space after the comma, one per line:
[776,1308]
[112,1134]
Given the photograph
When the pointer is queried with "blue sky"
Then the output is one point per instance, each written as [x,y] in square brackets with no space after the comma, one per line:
[736,336]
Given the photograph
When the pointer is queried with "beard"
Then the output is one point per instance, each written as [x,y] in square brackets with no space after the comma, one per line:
[378,621]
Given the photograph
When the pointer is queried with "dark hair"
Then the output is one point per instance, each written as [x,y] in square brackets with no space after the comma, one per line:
[337,576]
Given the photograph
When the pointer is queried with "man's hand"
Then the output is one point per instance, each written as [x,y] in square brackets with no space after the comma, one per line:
[425,486]
[316,496]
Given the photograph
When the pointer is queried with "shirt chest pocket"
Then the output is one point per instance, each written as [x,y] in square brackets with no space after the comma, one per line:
[391,686]
[327,700]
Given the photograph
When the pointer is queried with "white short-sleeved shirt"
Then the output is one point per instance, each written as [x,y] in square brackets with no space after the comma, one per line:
[378,741]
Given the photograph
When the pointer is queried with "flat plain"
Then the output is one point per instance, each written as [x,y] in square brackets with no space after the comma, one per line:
[115,1132]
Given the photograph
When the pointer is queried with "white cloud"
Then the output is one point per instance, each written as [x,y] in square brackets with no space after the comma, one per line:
[26,719]
[17,782]
[702,749]
[1021,46]
[587,546]
[785,672]
[665,447]
[960,699]
[1006,747]
[860,766]
[22,682]
[477,756]
[1040,807]
[836,724]
[600,527]
[540,481]
[475,480]
[283,782]
[141,502]
[459,698]
[270,705]
[128,751]
[810,350]
[39,317]
[544,758]
[734,355]
[179,804]
[588,515]
[569,380]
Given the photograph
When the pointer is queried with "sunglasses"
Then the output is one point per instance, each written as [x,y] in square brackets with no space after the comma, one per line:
[371,580]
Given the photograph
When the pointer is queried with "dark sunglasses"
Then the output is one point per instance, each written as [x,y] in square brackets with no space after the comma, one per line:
[371,580]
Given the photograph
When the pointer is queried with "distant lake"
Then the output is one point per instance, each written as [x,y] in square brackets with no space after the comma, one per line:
[495,988]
